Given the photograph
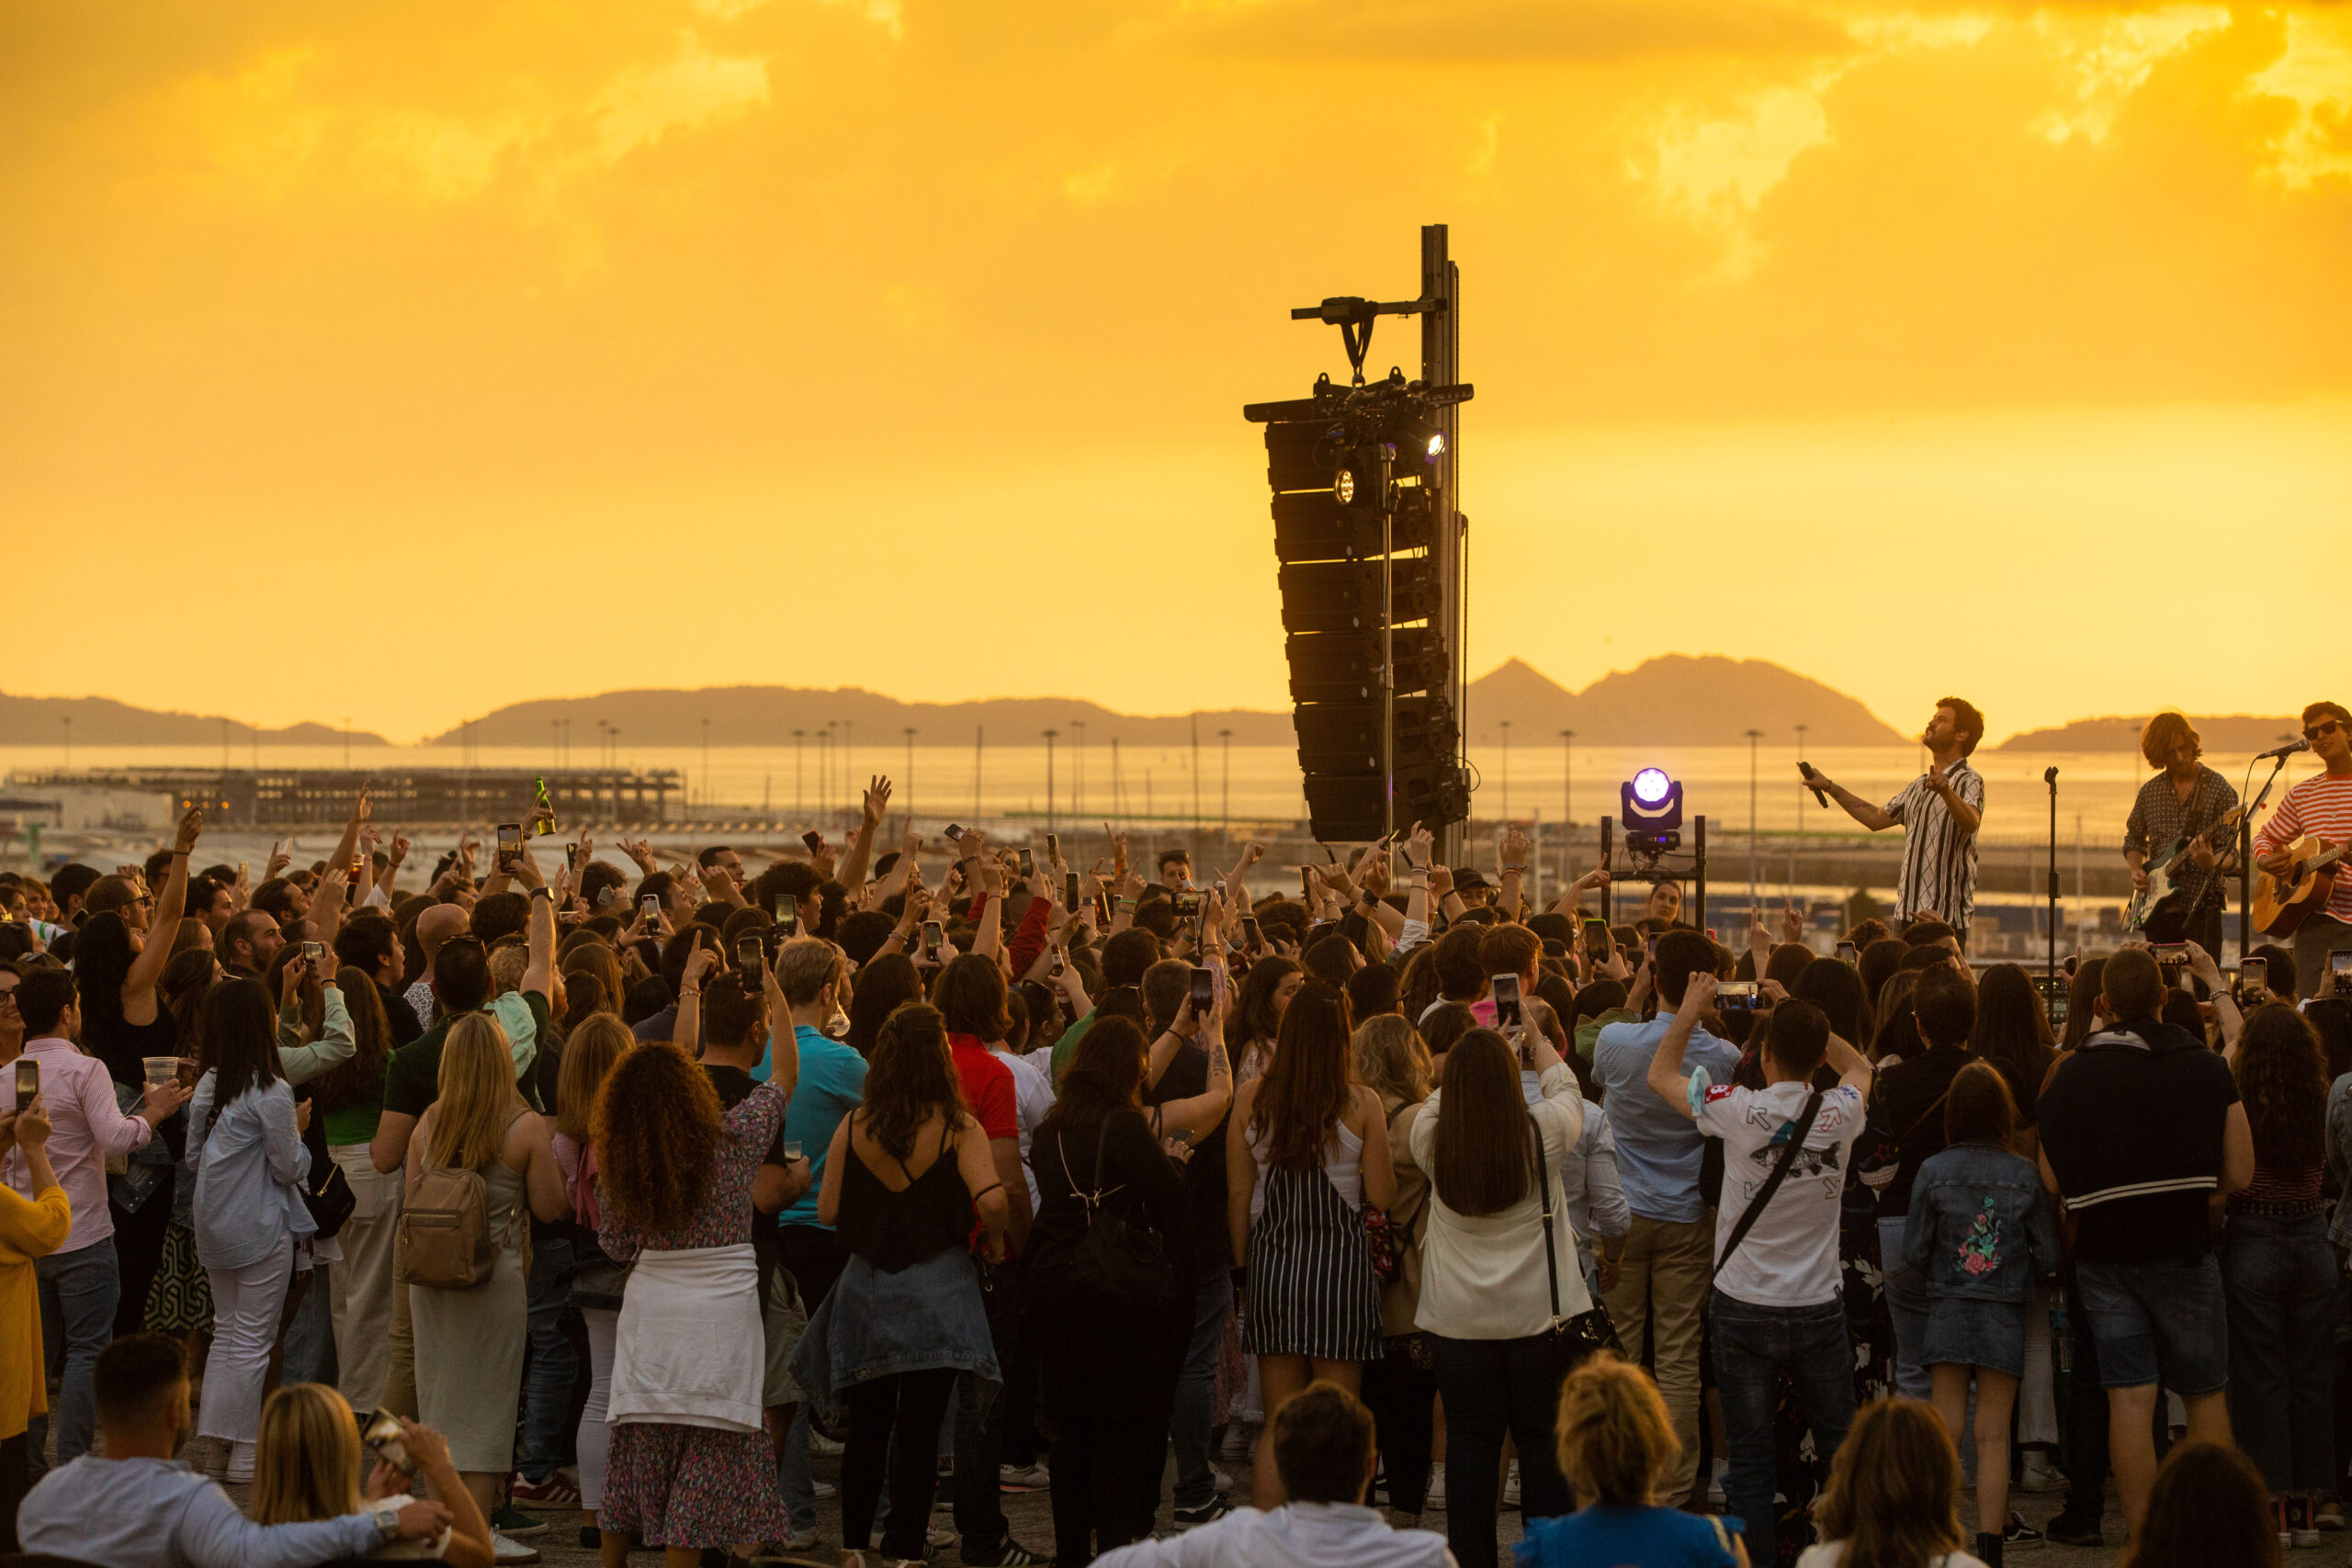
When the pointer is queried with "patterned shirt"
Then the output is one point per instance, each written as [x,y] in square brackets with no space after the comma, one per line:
[2159,816]
[2321,805]
[1938,854]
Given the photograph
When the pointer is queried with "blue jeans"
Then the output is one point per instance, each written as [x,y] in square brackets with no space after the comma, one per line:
[2281,1279]
[1752,1344]
[1907,1304]
[79,1292]
[2158,1321]
[555,1365]
[309,1333]
[1188,1427]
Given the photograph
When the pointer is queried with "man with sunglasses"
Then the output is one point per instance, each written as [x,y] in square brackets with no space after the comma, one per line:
[2321,805]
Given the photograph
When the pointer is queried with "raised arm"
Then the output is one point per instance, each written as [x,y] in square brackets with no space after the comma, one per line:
[538,970]
[980,1162]
[861,848]
[1870,816]
[685,1032]
[1667,1078]
[139,986]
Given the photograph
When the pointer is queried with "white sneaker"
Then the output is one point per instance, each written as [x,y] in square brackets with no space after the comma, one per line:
[2037,1474]
[1510,1486]
[820,1444]
[1436,1497]
[1219,1480]
[1716,1484]
[1024,1477]
[823,1489]
[1235,1443]
[505,1549]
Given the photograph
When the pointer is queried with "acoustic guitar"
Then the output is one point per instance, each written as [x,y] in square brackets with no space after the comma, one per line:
[2284,902]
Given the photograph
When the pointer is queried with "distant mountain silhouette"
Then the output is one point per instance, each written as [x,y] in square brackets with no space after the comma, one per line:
[2222,735]
[102,721]
[1676,700]
[1673,700]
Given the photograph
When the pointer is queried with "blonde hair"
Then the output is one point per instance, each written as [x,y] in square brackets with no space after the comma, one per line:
[506,967]
[1391,1058]
[477,1098]
[306,1464]
[2162,733]
[1614,1438]
[588,1056]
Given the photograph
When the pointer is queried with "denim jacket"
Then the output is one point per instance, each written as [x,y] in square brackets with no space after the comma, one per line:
[1981,1226]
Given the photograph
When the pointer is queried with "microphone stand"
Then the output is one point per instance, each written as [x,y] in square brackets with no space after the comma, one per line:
[2051,972]
[2245,853]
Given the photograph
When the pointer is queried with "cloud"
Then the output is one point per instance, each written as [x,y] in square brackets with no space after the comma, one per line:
[1717,171]
[1504,31]
[2114,62]
[2314,74]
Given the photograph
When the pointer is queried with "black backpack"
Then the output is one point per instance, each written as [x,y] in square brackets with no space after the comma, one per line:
[1125,1264]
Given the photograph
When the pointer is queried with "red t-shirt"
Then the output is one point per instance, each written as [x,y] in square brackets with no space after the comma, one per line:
[987,1094]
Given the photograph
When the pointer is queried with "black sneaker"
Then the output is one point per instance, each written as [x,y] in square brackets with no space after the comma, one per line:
[2076,1530]
[1208,1513]
[1015,1555]
[2020,1533]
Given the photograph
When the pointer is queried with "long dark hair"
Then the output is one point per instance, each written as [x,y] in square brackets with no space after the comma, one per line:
[1307,1086]
[240,1041]
[1105,1074]
[181,990]
[2012,1026]
[359,1081]
[1481,1161]
[2283,1080]
[2209,1505]
[883,986]
[102,957]
[2082,1001]
[1253,1009]
[910,1076]
[1832,985]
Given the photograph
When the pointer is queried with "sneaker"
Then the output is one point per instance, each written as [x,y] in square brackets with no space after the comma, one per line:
[555,1492]
[1716,1496]
[940,1535]
[2020,1533]
[799,1541]
[820,1444]
[504,1549]
[1208,1513]
[1436,1497]
[1015,1555]
[2303,1538]
[2075,1530]
[1023,1477]
[1235,1444]
[2329,1514]
[1224,1483]
[2037,1474]
[821,1490]
[512,1520]
[1510,1486]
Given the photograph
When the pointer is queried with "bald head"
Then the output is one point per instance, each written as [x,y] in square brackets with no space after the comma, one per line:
[437,925]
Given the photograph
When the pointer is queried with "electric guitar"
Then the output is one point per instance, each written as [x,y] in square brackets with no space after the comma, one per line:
[2283,902]
[2177,883]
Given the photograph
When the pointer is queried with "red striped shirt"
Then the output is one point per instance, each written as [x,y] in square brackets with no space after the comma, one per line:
[2321,804]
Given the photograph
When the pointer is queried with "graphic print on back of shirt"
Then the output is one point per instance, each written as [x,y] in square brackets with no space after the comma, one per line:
[1980,1250]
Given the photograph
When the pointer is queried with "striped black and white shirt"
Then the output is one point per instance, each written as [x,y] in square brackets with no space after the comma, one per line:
[1938,854]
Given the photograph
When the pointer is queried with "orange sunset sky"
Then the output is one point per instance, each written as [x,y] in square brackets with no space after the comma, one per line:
[401,361]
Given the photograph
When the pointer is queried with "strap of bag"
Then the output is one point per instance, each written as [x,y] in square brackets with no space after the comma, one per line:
[1772,1183]
[1543,1174]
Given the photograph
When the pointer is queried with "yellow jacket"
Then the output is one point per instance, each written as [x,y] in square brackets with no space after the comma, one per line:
[29,1228]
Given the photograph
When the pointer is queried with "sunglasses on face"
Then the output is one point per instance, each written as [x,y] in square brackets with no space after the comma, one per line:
[2326,727]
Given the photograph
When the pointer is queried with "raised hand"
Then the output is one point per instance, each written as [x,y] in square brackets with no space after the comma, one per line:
[280,858]
[877,797]
[191,827]
[1516,847]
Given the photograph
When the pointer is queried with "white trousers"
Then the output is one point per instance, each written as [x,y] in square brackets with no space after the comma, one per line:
[361,1284]
[247,1304]
[595,1438]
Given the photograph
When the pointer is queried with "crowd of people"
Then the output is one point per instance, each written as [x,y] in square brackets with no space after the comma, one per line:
[636,1194]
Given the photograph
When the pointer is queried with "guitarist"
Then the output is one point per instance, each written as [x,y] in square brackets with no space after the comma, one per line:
[2321,804]
[2183,801]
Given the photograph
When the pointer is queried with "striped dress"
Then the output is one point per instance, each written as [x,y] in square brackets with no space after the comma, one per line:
[1312,1291]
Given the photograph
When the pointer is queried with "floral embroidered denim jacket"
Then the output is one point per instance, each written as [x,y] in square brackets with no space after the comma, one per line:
[1981,1227]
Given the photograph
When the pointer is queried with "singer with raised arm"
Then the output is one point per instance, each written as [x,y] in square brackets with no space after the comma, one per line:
[2317,814]
[1939,812]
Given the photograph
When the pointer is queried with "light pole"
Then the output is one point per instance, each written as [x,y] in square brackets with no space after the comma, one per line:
[1753,737]
[1797,844]
[1506,770]
[979,746]
[1567,801]
[68,721]
[1078,772]
[911,774]
[347,743]
[799,808]
[1225,782]
[705,765]
[1049,779]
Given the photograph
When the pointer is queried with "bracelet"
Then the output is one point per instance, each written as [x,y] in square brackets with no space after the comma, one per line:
[1514,869]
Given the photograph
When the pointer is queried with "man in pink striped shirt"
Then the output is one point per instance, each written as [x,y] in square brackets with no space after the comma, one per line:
[2321,805]
[79,1282]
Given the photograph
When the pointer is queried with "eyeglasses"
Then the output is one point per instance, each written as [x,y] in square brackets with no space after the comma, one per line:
[2313,731]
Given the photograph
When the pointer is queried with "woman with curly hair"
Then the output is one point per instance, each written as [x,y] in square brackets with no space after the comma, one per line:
[692,1465]
[902,1177]
[2278,1267]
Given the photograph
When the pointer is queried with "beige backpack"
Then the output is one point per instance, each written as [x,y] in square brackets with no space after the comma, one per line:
[446,1241]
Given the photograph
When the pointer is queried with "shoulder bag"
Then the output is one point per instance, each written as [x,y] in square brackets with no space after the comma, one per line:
[1125,1263]
[1574,1338]
[1772,1183]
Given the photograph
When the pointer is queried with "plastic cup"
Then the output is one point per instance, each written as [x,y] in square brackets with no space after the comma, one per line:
[162,1070]
[792,1148]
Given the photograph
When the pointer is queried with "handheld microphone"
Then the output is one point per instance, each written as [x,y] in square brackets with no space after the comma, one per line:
[2277,752]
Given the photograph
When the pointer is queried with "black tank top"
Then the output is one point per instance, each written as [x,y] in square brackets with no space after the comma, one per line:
[898,1230]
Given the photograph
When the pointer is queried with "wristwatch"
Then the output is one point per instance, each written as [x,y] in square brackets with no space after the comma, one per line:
[388,1521]
[544,891]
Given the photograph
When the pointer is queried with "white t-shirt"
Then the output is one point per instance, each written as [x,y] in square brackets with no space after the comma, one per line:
[1789,1258]
[1032,1097]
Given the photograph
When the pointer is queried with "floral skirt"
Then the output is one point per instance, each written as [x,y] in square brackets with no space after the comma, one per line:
[180,1301]
[696,1486]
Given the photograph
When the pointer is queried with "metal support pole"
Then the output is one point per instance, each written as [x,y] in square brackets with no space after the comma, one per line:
[1385,465]
[1698,871]
[2050,970]
[1441,367]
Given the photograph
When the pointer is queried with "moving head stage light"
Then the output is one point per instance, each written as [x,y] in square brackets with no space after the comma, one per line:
[1650,806]
[1357,474]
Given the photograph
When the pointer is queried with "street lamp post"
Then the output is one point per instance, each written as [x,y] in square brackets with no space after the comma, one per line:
[1753,737]
[1568,802]
[799,799]
[1078,772]
[1797,843]
[1225,783]
[911,774]
[1506,770]
[1049,779]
